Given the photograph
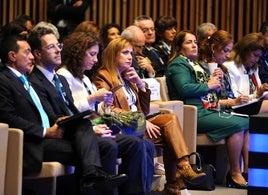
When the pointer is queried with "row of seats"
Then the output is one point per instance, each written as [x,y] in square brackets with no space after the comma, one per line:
[11,151]
[11,145]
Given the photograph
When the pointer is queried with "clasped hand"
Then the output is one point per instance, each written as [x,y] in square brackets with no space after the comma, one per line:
[55,132]
[216,79]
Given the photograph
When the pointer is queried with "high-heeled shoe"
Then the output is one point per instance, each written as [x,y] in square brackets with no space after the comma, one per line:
[185,172]
[232,184]
[245,175]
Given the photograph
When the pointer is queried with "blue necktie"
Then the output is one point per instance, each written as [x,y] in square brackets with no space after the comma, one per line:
[44,117]
[61,92]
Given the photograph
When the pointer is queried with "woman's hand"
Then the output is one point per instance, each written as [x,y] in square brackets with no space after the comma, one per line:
[262,89]
[214,82]
[103,131]
[242,99]
[131,75]
[153,131]
[218,73]
[101,95]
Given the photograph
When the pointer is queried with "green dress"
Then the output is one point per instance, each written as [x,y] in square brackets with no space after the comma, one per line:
[184,84]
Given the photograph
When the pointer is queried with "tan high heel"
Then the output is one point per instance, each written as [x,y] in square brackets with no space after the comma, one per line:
[185,172]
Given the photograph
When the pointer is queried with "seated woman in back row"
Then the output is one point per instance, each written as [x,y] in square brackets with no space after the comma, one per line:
[188,81]
[163,130]
[244,75]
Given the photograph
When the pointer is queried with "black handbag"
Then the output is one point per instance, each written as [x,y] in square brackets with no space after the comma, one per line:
[208,183]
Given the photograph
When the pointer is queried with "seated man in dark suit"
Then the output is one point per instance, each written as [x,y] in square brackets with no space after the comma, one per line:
[131,149]
[146,24]
[43,139]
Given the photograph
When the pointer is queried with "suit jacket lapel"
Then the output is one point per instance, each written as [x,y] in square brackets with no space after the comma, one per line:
[51,92]
[18,84]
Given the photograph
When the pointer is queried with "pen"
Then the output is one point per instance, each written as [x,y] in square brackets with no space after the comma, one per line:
[239,92]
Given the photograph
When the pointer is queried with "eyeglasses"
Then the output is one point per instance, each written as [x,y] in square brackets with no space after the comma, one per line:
[145,30]
[51,47]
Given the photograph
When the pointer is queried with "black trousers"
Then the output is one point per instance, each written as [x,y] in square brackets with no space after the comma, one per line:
[137,161]
[81,150]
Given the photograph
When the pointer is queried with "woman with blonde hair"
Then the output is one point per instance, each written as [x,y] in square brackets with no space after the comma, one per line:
[163,130]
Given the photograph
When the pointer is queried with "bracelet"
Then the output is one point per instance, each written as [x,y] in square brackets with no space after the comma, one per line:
[141,86]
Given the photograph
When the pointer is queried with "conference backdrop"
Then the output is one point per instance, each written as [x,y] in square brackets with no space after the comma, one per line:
[239,17]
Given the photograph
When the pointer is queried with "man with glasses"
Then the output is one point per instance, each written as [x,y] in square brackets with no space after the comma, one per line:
[140,62]
[146,24]
[23,107]
[59,100]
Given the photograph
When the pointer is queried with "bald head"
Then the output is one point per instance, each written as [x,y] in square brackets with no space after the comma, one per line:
[135,35]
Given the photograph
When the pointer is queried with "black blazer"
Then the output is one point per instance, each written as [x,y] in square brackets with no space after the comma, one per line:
[52,102]
[80,133]
[18,110]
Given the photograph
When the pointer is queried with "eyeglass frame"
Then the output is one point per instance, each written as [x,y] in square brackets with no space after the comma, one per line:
[138,47]
[53,46]
[146,30]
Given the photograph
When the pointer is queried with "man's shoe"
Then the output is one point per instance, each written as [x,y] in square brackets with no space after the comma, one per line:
[103,181]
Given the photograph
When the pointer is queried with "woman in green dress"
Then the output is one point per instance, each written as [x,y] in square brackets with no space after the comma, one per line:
[187,81]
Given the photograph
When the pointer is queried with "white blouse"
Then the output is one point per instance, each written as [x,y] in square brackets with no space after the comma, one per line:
[79,91]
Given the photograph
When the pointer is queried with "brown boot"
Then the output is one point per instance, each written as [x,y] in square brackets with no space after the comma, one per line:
[181,184]
[171,189]
[186,172]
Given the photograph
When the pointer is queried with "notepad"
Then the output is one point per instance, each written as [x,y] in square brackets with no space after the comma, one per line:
[75,118]
[264,96]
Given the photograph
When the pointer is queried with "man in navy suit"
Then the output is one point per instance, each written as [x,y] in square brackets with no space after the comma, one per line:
[42,142]
[131,149]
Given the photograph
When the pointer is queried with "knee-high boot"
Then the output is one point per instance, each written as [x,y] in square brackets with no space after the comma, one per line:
[172,138]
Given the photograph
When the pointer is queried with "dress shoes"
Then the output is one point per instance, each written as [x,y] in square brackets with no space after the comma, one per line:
[102,181]
[245,175]
[232,184]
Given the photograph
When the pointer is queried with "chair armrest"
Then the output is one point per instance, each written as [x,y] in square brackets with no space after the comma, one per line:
[175,105]
[13,183]
[190,126]
[3,155]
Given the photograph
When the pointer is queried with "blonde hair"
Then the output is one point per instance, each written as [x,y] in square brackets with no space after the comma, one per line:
[109,57]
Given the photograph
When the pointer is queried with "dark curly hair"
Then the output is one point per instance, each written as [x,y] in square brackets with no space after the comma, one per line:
[104,32]
[74,49]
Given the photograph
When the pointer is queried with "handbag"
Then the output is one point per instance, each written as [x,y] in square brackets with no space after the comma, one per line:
[208,183]
[130,123]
